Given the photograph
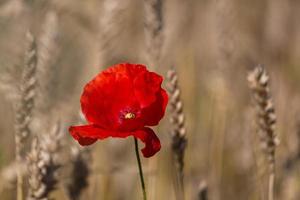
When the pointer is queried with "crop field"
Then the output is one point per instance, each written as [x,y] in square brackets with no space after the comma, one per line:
[217,106]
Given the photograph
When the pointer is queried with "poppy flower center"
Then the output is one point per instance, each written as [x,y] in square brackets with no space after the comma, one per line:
[129,115]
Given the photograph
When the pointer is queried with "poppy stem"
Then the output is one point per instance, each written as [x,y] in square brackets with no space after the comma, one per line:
[140,168]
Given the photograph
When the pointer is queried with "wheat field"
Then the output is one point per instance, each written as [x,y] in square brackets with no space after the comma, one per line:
[232,72]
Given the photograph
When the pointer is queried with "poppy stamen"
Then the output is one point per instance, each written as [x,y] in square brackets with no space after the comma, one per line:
[129,116]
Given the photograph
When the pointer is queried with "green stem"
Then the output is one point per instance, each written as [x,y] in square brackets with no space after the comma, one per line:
[140,168]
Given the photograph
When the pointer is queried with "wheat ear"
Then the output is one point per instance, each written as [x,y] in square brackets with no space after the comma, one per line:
[24,106]
[178,131]
[43,164]
[265,114]
[110,26]
[153,31]
[79,181]
[48,40]
[48,50]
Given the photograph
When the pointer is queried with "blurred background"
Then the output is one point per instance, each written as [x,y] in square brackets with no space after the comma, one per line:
[211,44]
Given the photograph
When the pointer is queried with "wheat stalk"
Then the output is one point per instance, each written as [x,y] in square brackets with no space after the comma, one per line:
[9,174]
[24,106]
[265,114]
[43,164]
[153,31]
[178,131]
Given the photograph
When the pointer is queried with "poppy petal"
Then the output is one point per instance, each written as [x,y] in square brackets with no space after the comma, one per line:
[87,134]
[155,112]
[110,94]
[147,136]
[152,143]
[102,106]
[146,86]
[131,70]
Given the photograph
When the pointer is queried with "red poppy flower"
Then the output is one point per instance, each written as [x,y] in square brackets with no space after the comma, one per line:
[120,102]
